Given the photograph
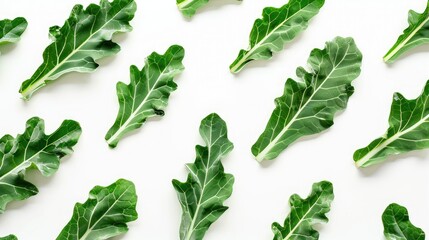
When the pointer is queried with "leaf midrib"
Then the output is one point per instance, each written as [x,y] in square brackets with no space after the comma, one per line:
[303,217]
[133,114]
[400,229]
[89,229]
[396,49]
[194,219]
[15,38]
[17,168]
[268,35]
[272,143]
[185,4]
[45,77]
[362,162]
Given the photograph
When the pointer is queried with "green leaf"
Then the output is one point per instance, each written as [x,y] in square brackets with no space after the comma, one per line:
[277,27]
[397,225]
[148,93]
[84,38]
[10,237]
[104,215]
[305,213]
[415,35]
[308,106]
[190,7]
[207,186]
[11,30]
[32,149]
[408,130]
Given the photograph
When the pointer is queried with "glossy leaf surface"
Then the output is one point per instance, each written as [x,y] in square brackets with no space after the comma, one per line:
[305,213]
[11,30]
[408,130]
[415,35]
[104,215]
[397,225]
[147,94]
[208,186]
[32,149]
[85,37]
[277,27]
[308,105]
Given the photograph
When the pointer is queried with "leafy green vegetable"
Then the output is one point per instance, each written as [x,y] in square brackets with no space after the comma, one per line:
[11,30]
[415,35]
[147,94]
[84,38]
[190,7]
[305,213]
[207,186]
[397,225]
[277,27]
[10,237]
[32,149]
[309,106]
[408,130]
[104,215]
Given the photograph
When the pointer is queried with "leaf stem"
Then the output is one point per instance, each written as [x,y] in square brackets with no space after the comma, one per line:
[365,161]
[388,57]
[235,68]
[28,92]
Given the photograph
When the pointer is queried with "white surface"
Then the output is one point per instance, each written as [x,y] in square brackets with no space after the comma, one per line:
[155,155]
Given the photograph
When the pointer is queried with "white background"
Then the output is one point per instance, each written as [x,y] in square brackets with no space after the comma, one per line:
[156,154]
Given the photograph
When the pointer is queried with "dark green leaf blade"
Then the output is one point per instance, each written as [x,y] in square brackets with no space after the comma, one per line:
[277,27]
[148,93]
[10,237]
[208,186]
[397,225]
[190,7]
[11,30]
[408,130]
[305,213]
[308,106]
[33,148]
[415,35]
[84,38]
[104,215]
